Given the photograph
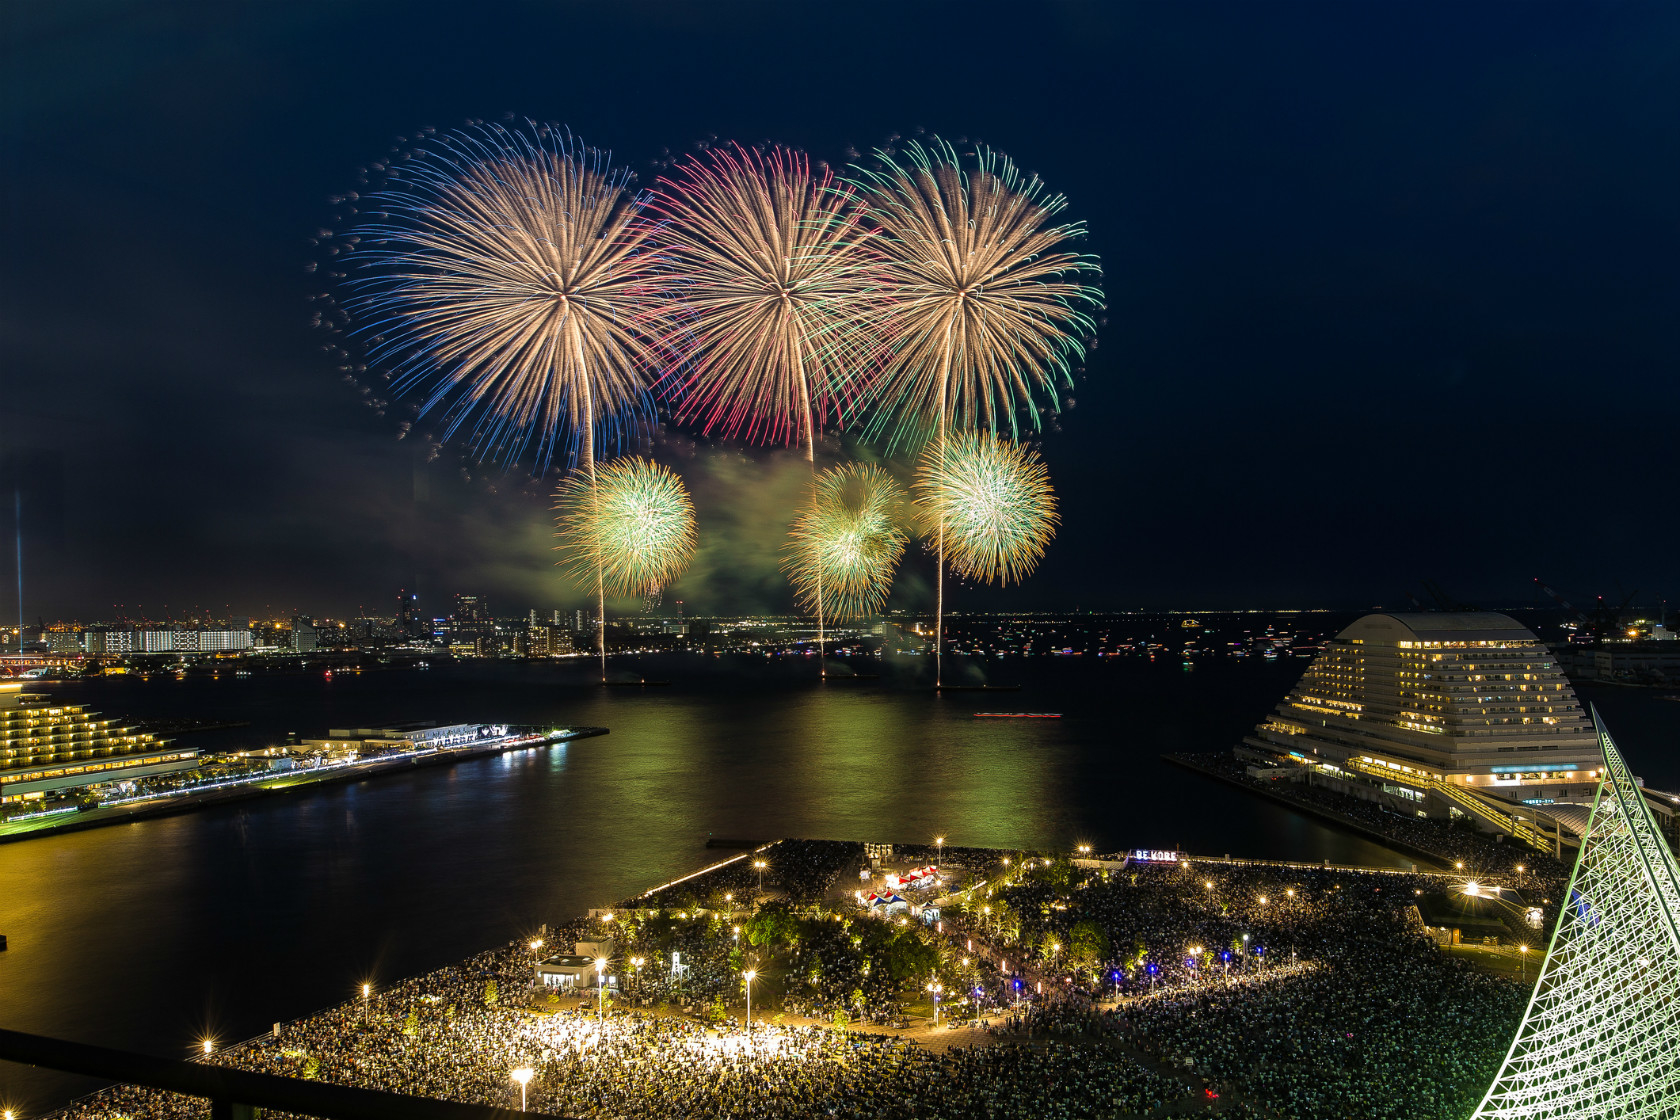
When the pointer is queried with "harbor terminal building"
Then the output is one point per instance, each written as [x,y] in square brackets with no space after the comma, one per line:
[46,747]
[1438,714]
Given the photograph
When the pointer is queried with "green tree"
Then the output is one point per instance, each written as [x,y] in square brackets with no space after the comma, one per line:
[774,924]
[841,1020]
[1088,945]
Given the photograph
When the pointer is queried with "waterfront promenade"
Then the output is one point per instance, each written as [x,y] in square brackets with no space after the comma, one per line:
[187,800]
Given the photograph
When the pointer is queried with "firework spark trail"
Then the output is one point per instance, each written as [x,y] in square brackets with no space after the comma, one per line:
[992,501]
[630,529]
[988,307]
[781,292]
[509,278]
[781,296]
[845,544]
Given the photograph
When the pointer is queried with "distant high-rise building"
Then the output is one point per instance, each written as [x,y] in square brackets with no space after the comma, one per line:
[548,640]
[305,638]
[219,641]
[409,622]
[471,625]
[108,641]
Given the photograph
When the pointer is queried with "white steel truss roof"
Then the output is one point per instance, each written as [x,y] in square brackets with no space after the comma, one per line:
[1601,1037]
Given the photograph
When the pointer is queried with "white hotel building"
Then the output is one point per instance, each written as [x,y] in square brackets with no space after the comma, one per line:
[1438,712]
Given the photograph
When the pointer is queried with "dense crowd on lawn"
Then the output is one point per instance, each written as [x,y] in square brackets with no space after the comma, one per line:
[440,1036]
[1335,1006]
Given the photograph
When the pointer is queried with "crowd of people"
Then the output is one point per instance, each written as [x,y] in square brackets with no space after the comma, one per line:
[1333,1005]
[1309,994]
[449,1035]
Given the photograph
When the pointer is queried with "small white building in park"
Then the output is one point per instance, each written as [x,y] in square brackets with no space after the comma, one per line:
[577,968]
[569,970]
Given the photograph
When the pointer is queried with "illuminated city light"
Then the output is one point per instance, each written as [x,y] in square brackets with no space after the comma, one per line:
[1597,1042]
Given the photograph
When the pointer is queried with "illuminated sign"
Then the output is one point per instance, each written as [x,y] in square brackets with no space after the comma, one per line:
[1153,855]
[1533,768]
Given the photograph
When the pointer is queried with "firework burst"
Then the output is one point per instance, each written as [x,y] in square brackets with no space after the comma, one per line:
[780,293]
[845,544]
[627,531]
[509,278]
[988,306]
[992,503]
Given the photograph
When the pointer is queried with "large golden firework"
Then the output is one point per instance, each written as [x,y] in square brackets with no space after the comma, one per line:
[627,531]
[779,293]
[991,502]
[987,306]
[509,276]
[845,543]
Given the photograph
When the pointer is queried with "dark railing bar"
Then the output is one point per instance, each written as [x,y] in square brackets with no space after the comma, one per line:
[234,1092]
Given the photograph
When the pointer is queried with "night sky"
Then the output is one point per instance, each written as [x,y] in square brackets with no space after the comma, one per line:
[1393,288]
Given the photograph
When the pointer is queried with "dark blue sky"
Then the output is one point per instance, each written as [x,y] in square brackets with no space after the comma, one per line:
[1393,287]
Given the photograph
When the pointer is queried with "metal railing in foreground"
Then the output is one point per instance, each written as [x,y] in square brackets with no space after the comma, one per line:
[236,1094]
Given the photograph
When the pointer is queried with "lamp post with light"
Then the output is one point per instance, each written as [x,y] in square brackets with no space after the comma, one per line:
[938,850]
[1522,955]
[935,987]
[749,975]
[601,987]
[759,866]
[523,1076]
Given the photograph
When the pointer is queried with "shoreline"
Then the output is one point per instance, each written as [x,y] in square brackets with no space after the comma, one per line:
[192,801]
[1433,862]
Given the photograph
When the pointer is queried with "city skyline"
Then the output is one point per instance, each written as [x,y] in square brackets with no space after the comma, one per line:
[1324,313]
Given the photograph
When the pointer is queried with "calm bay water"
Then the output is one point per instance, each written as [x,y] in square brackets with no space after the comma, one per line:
[154,934]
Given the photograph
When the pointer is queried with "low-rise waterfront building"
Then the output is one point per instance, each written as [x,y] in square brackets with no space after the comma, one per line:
[346,743]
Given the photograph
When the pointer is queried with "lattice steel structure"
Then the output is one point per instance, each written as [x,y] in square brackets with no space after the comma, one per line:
[1601,1038]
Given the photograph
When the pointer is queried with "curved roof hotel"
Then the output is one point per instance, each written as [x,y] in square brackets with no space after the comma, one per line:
[1443,702]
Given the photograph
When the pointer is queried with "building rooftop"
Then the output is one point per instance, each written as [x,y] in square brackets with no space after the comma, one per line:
[1430,626]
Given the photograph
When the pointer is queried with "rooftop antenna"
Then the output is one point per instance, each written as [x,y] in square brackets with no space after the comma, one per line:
[17,523]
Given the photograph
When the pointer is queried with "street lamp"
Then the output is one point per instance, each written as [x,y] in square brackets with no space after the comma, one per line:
[1523,951]
[367,990]
[209,1045]
[523,1076]
[749,975]
[938,850]
[935,988]
[636,963]
[601,987]
[758,866]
